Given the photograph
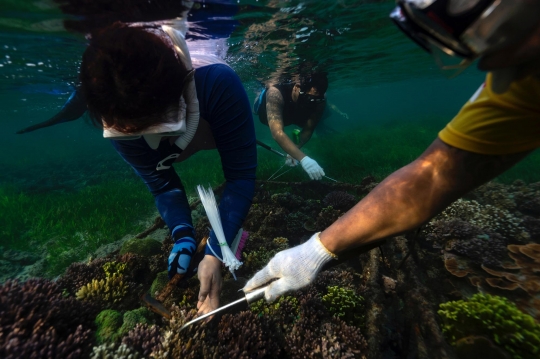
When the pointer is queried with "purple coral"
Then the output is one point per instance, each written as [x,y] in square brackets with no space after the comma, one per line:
[37,321]
[318,335]
[246,336]
[339,200]
[489,250]
[144,339]
[443,230]
[79,274]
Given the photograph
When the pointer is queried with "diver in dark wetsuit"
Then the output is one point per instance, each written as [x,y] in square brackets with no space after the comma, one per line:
[300,104]
[156,110]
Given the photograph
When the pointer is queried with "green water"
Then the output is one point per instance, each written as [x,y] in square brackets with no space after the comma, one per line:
[61,184]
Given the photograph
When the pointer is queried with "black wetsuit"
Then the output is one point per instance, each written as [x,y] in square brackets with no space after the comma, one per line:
[294,113]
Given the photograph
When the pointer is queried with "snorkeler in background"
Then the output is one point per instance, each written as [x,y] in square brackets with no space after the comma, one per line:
[498,127]
[292,103]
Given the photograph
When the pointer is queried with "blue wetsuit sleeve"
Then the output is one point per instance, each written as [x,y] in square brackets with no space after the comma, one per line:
[225,105]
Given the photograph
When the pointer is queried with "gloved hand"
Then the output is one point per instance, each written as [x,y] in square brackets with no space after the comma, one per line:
[291,162]
[180,257]
[295,267]
[312,168]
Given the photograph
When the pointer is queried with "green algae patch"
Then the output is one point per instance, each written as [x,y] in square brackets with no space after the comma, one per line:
[144,247]
[345,304]
[134,317]
[159,283]
[495,318]
[108,323]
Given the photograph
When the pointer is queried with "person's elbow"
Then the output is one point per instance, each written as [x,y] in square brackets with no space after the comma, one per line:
[277,135]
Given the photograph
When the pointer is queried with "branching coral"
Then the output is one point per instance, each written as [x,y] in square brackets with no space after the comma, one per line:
[496,318]
[283,313]
[287,200]
[486,217]
[341,278]
[259,258]
[345,304]
[37,321]
[489,250]
[78,274]
[295,222]
[112,289]
[315,335]
[325,218]
[114,351]
[340,200]
[144,339]
[193,342]
[108,290]
[245,335]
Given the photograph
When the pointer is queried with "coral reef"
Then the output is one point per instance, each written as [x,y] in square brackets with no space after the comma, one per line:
[37,321]
[78,274]
[340,200]
[345,304]
[108,323]
[144,339]
[114,351]
[486,217]
[495,318]
[489,250]
[379,304]
[246,335]
[258,258]
[315,335]
[527,262]
[112,325]
[159,283]
[111,290]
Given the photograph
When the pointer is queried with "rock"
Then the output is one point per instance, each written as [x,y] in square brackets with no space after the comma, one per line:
[144,247]
[20,257]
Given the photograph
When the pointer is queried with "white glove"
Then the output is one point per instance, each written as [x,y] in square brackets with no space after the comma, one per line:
[295,267]
[312,168]
[291,162]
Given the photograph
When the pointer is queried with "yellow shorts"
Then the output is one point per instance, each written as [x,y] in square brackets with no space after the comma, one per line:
[495,124]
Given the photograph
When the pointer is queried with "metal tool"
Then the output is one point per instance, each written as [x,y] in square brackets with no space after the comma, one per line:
[264,145]
[249,298]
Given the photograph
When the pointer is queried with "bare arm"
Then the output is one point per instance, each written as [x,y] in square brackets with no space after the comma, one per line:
[274,111]
[311,123]
[414,194]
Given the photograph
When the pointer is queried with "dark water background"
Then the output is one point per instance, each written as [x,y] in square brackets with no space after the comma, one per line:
[379,78]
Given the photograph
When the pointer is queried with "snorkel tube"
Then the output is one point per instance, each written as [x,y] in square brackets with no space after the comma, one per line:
[190,101]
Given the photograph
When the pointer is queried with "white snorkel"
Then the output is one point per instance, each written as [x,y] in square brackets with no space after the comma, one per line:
[187,118]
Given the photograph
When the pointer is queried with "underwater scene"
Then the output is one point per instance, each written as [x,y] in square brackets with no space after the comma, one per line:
[90,265]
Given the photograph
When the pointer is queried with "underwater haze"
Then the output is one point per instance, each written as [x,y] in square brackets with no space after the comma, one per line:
[72,211]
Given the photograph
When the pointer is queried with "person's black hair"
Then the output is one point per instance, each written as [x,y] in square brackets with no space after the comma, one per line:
[319,80]
[131,79]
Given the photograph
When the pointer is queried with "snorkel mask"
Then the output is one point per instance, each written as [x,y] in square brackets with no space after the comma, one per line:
[465,29]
